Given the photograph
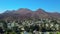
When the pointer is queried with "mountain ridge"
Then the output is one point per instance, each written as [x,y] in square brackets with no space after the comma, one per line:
[25,13]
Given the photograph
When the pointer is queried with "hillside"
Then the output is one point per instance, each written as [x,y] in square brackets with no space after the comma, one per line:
[24,13]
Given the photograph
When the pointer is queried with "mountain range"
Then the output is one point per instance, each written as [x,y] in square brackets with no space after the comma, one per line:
[24,13]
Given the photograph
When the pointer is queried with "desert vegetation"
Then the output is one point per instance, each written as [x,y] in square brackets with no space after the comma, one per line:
[30,26]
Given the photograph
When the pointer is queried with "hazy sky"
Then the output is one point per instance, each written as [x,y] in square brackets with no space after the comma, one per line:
[47,5]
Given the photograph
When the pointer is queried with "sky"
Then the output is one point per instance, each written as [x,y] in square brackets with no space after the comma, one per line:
[47,5]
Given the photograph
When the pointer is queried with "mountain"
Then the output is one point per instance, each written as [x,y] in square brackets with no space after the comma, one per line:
[24,13]
[55,15]
[41,13]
